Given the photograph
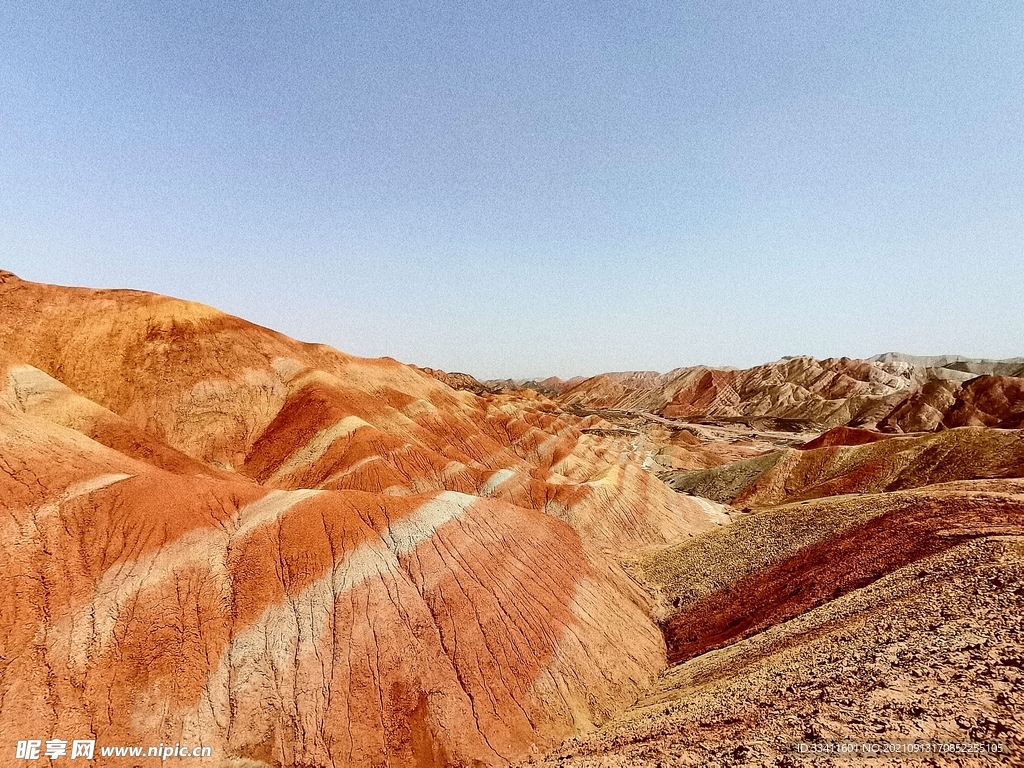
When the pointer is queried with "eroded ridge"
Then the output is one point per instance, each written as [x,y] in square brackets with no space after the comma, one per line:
[215,534]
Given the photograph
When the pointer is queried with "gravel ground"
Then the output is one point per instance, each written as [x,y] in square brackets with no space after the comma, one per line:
[933,652]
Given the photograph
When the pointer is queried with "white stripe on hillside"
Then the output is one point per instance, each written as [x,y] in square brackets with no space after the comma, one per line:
[496,480]
[92,625]
[318,445]
[290,631]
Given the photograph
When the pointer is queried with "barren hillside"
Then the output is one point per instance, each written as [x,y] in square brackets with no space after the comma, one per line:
[215,533]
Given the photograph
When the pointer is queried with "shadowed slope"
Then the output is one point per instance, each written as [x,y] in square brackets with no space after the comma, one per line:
[829,558]
[989,401]
[33,392]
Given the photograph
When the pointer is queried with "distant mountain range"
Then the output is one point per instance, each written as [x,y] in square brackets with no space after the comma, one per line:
[892,392]
[969,366]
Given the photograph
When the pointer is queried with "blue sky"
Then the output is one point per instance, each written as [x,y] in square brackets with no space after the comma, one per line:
[532,188]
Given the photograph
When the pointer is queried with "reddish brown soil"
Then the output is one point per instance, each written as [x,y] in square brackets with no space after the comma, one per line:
[989,401]
[833,567]
[839,436]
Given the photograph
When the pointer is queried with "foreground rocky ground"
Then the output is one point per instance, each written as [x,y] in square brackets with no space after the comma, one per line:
[929,653]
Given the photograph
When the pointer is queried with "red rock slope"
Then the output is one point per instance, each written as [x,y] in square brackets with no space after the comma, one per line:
[215,534]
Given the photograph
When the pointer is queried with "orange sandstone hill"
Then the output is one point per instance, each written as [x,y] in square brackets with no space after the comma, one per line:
[215,534]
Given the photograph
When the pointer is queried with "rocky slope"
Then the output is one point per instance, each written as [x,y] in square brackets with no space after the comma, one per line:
[552,385]
[991,401]
[822,393]
[929,653]
[457,380]
[868,618]
[895,393]
[956,366]
[213,533]
[896,463]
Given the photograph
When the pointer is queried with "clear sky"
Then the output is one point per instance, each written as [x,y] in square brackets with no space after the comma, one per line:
[524,188]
